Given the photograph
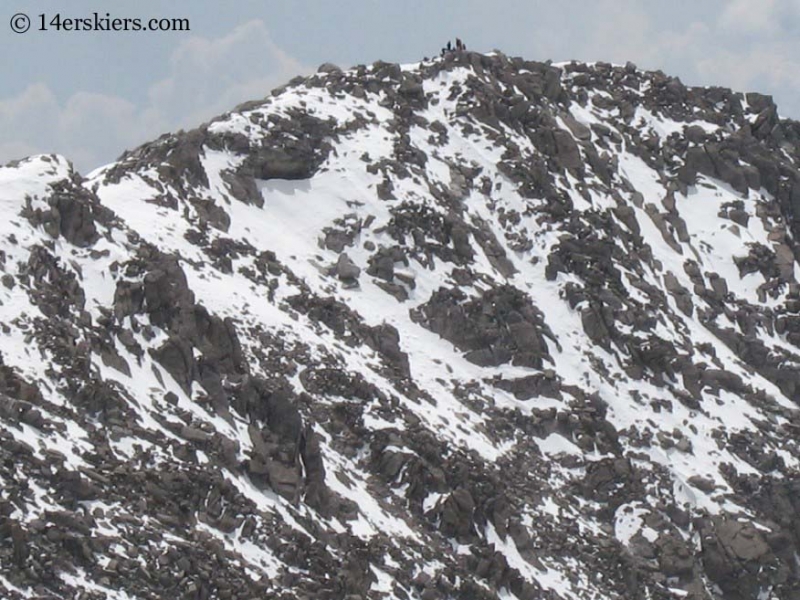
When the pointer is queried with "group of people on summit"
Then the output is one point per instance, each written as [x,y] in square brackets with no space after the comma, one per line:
[459,47]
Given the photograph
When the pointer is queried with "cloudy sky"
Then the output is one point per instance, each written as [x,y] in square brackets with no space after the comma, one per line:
[91,95]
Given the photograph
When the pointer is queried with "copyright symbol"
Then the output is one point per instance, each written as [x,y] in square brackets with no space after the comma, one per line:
[20,23]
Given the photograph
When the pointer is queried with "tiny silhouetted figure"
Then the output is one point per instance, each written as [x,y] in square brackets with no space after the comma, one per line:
[459,45]
[449,46]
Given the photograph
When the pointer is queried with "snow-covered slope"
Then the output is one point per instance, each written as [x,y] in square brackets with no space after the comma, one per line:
[476,327]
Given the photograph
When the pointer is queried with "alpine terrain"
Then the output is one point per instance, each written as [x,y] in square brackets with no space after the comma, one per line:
[475,328]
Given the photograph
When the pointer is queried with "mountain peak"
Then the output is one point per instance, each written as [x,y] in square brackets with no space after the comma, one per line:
[475,327]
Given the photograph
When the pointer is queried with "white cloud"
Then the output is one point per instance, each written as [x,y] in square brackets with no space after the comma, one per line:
[206,77]
[762,18]
[746,16]
[774,66]
[210,76]
[29,116]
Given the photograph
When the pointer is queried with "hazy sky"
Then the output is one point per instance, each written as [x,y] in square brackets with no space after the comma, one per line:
[91,95]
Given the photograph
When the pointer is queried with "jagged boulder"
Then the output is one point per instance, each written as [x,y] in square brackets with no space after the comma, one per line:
[737,558]
[166,292]
[457,514]
[503,326]
[177,358]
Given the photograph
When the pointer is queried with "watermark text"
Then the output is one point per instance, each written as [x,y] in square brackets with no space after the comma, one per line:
[21,23]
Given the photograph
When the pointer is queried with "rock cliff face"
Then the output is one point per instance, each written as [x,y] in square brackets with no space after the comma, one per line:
[474,328]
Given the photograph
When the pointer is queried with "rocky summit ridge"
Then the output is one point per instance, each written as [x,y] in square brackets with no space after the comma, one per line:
[476,328]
